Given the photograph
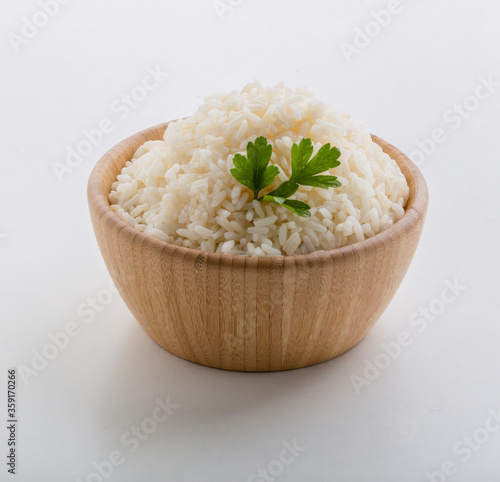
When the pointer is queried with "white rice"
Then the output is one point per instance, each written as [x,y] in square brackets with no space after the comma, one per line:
[181,191]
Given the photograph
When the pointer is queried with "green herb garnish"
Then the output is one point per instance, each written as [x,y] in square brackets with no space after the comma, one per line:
[254,172]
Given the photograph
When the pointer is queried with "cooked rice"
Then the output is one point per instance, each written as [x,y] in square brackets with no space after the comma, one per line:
[180,189]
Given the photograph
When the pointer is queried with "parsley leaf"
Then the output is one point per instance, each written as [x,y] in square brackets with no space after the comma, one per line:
[254,172]
[300,155]
[298,207]
[285,189]
[320,181]
[305,169]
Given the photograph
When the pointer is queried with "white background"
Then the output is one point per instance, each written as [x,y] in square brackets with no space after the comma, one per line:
[406,421]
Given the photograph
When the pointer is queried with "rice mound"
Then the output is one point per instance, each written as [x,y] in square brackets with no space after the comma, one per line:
[180,189]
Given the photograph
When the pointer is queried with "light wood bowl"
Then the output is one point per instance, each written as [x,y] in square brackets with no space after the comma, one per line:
[253,314]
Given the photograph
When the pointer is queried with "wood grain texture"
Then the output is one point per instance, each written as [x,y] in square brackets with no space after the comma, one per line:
[253,314]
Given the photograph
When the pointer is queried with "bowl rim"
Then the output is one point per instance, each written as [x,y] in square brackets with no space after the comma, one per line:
[415,211]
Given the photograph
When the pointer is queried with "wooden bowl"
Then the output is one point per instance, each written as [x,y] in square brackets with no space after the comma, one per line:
[253,314]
